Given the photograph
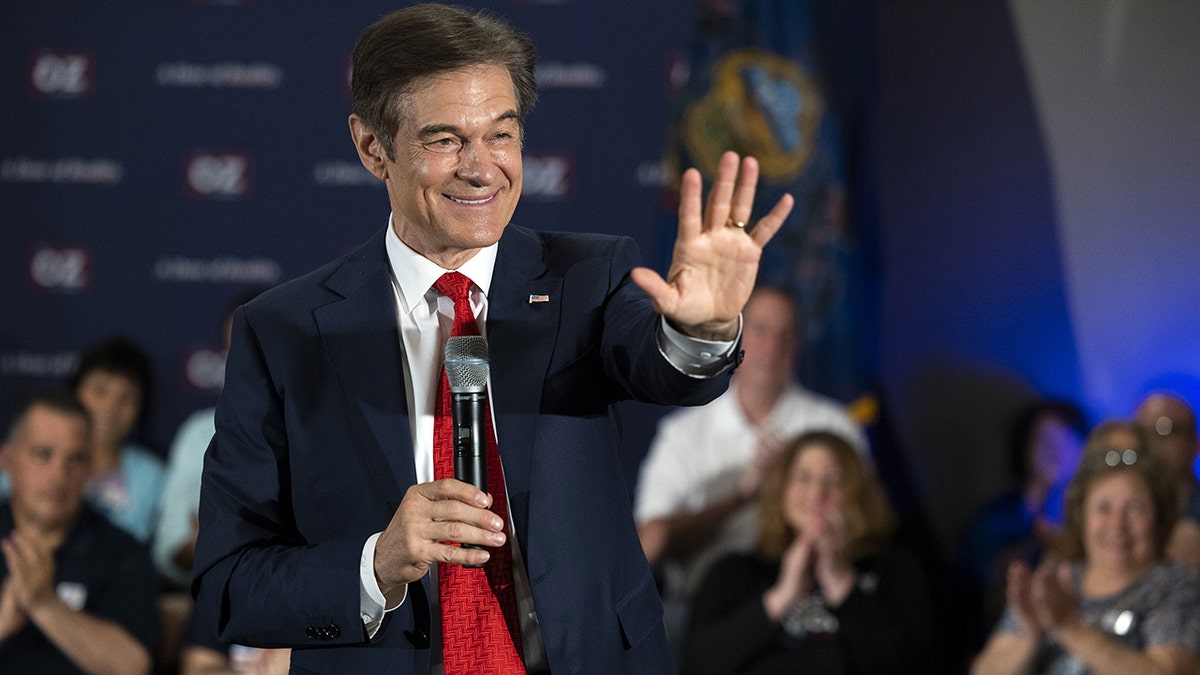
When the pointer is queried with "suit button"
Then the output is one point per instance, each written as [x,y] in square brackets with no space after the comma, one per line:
[311,632]
[333,631]
[418,638]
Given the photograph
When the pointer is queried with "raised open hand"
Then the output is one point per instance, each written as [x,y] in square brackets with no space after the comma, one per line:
[717,250]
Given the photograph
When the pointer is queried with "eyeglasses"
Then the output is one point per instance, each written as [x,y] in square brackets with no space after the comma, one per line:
[1127,457]
[1165,426]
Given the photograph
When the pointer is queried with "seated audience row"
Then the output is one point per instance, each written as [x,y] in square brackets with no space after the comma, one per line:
[763,507]
[1106,599]
[1098,575]
[127,485]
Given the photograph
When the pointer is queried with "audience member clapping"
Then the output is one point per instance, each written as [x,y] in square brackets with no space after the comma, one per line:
[1108,603]
[77,594]
[823,591]
[705,467]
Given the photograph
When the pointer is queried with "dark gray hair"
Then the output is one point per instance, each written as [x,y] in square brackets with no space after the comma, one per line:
[396,51]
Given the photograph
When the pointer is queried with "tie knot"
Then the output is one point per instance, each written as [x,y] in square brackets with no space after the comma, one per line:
[458,288]
[453,285]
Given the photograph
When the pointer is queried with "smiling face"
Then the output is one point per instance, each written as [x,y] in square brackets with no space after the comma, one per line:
[456,177]
[814,487]
[1118,519]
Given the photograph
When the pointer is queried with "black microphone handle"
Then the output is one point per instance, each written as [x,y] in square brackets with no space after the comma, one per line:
[469,414]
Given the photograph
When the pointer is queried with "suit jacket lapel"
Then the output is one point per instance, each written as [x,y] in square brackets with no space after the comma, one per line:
[524,305]
[362,340]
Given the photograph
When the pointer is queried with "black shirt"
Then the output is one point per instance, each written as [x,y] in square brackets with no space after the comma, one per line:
[99,569]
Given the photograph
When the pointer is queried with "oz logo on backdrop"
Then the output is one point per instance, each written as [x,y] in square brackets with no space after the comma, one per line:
[61,75]
[204,369]
[219,175]
[60,268]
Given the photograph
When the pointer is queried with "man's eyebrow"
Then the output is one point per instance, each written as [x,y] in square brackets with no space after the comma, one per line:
[435,129]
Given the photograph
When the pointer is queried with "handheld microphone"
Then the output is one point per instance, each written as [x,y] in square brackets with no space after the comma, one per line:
[467,371]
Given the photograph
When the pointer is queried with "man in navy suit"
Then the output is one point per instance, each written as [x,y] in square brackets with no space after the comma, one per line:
[321,525]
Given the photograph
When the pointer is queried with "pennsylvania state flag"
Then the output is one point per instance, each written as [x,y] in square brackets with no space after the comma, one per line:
[753,87]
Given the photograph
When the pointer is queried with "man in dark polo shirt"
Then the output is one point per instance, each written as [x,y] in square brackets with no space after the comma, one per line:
[76,593]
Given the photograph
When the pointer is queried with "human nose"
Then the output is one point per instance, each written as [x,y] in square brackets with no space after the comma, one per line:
[1125,522]
[821,493]
[103,403]
[475,164]
[60,470]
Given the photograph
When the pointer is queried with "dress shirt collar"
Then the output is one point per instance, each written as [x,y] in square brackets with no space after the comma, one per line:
[416,274]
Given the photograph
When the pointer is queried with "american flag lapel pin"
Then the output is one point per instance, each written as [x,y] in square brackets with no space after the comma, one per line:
[538,298]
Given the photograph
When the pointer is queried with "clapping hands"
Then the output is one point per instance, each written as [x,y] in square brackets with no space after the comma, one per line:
[818,555]
[1041,600]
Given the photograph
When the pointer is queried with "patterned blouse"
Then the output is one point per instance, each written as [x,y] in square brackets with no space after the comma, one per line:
[1160,608]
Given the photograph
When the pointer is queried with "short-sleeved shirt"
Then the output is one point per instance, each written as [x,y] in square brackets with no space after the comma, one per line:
[1160,608]
[99,569]
[129,496]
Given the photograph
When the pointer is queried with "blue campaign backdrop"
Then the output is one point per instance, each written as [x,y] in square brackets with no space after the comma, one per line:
[161,159]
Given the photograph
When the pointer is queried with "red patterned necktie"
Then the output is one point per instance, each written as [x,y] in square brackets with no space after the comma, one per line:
[480,630]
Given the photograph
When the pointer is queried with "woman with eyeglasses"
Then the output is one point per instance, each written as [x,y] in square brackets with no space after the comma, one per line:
[1108,602]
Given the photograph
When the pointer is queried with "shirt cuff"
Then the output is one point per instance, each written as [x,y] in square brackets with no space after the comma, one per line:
[372,604]
[695,357]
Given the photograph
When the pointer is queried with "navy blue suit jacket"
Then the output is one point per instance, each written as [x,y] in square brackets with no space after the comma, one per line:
[313,454]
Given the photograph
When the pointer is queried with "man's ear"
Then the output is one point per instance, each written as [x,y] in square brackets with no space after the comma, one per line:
[369,147]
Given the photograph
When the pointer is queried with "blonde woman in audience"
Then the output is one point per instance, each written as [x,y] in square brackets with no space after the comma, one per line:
[1115,605]
[823,592]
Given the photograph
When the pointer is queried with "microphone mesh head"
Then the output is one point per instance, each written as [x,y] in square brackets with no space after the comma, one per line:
[466,363]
